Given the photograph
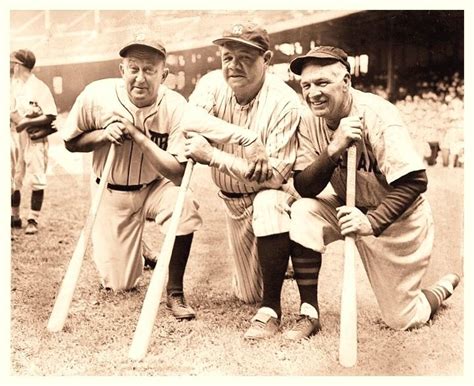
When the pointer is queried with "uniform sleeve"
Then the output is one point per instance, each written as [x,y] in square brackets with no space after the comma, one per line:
[176,137]
[307,152]
[46,101]
[392,146]
[81,117]
[203,94]
[281,143]
[405,192]
[214,129]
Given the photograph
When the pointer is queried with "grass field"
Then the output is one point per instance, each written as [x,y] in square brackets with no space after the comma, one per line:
[100,326]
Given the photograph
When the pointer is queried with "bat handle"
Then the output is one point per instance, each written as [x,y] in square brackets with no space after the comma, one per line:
[351,175]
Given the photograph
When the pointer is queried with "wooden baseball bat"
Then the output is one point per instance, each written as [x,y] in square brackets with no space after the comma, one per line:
[151,303]
[348,323]
[68,285]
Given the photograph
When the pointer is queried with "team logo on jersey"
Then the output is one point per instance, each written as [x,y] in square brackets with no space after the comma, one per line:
[160,139]
[365,163]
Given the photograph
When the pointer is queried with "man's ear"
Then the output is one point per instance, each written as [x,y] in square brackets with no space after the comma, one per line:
[121,68]
[166,71]
[347,81]
[267,57]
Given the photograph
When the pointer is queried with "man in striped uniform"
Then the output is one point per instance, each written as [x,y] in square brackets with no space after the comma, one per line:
[141,117]
[263,111]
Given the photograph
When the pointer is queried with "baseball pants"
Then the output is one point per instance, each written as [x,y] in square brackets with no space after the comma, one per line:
[248,217]
[32,162]
[395,261]
[119,225]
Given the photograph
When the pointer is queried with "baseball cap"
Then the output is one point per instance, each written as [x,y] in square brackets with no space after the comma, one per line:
[249,34]
[24,57]
[145,40]
[320,52]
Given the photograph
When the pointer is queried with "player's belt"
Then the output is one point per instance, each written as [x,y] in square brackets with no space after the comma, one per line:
[124,188]
[232,195]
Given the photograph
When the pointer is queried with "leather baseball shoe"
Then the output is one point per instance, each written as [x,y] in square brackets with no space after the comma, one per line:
[179,308]
[304,328]
[31,227]
[263,325]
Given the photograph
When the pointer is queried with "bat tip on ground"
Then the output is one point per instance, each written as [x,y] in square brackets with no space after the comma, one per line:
[348,362]
[54,327]
[136,355]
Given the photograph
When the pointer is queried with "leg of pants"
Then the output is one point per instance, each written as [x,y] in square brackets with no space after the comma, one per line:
[395,262]
[247,279]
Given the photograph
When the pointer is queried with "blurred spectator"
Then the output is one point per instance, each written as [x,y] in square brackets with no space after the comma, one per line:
[435,118]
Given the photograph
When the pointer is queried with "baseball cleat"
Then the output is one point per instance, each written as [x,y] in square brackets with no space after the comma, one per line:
[31,227]
[15,222]
[305,327]
[262,326]
[179,308]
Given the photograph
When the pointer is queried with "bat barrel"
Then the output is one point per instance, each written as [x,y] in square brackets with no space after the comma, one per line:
[151,303]
[348,329]
[348,323]
[66,291]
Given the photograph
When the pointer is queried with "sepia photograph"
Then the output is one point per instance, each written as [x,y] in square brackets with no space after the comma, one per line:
[222,193]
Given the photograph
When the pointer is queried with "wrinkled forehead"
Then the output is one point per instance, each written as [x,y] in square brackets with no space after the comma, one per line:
[143,54]
[239,48]
[319,69]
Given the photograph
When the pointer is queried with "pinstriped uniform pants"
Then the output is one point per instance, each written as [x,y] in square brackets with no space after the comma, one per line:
[248,217]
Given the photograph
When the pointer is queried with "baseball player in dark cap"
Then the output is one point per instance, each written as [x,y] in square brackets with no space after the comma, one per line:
[31,107]
[142,118]
[265,111]
[392,219]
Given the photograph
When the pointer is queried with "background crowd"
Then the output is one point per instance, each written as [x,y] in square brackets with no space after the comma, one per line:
[433,110]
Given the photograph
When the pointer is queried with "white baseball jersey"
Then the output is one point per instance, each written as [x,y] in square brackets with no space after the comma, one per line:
[396,260]
[33,158]
[121,217]
[33,90]
[274,115]
[94,110]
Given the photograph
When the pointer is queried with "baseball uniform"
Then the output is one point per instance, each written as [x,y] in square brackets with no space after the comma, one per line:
[397,259]
[252,209]
[136,191]
[32,161]
[14,139]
